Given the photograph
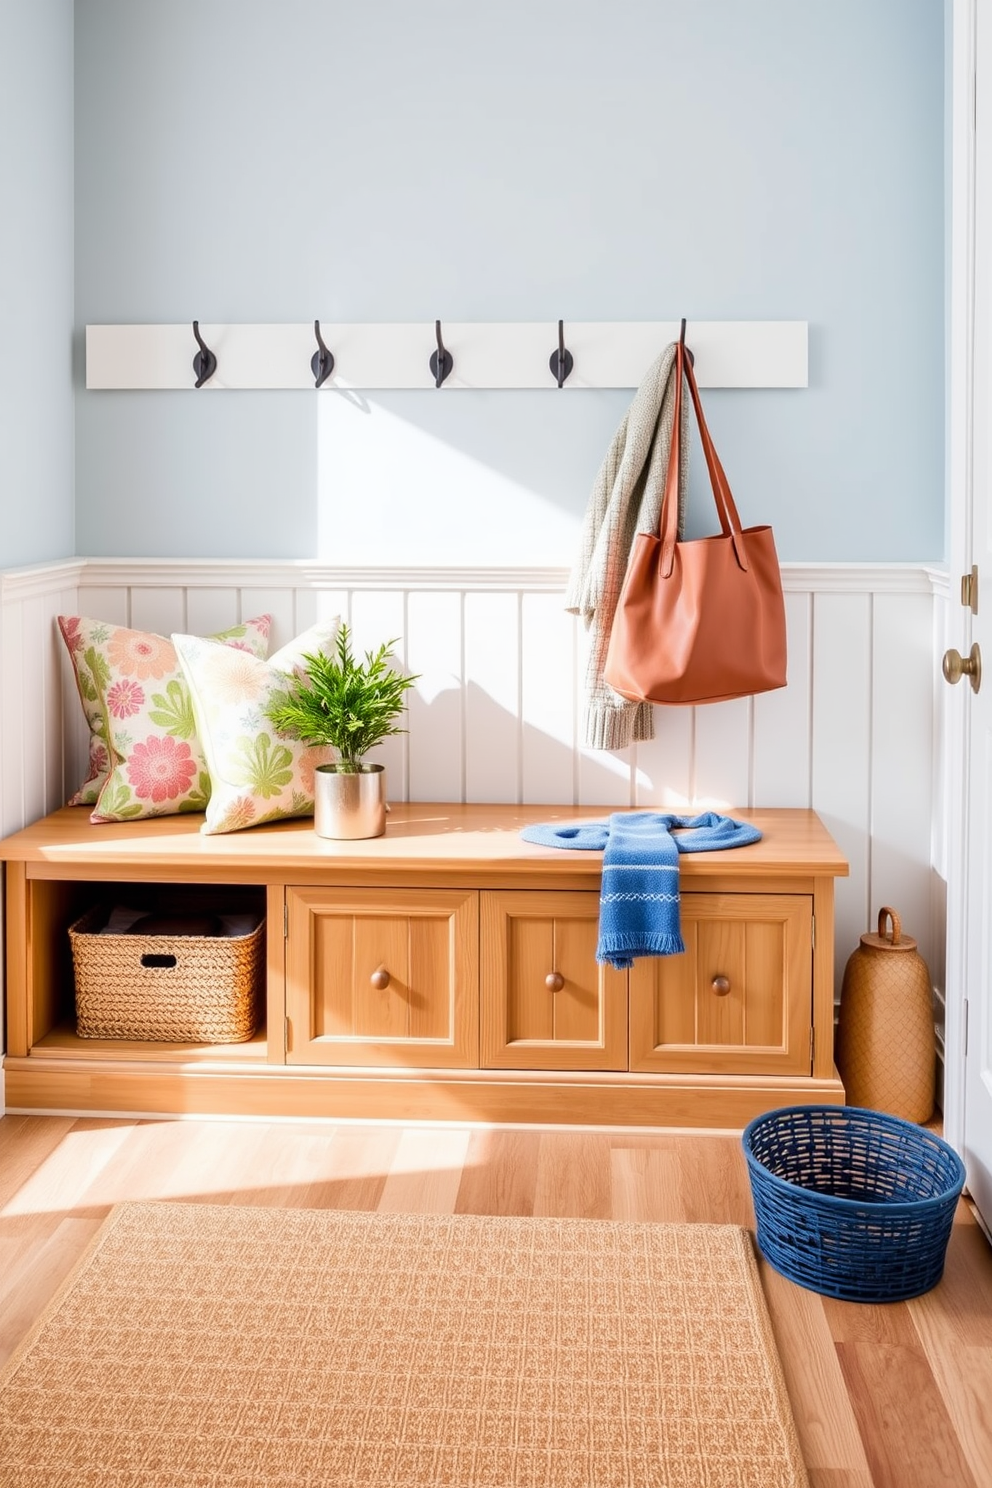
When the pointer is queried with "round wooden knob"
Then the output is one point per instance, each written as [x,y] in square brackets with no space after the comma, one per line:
[720,985]
[380,979]
[554,981]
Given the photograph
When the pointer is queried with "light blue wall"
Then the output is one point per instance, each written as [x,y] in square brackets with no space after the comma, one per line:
[36,162]
[597,160]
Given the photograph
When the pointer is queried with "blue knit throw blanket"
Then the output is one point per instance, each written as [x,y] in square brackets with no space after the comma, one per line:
[639,897]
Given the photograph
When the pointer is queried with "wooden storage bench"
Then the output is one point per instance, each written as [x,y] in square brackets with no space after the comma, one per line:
[445,971]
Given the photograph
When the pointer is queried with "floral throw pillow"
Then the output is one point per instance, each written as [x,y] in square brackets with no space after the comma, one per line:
[144,757]
[256,774]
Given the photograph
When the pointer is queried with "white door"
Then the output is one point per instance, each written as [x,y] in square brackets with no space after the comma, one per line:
[970,634]
[977,1033]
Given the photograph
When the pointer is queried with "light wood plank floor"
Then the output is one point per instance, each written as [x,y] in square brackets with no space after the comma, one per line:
[884,1397]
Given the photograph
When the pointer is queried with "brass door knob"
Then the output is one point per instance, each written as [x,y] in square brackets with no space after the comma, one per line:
[956,666]
[720,985]
[380,979]
[554,981]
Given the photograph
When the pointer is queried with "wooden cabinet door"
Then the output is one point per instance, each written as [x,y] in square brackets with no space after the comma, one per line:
[739,1001]
[546,1003]
[382,977]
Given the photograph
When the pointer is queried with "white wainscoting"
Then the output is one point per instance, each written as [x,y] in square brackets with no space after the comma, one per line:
[495,715]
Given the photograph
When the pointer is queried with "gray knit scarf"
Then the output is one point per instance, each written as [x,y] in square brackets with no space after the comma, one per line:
[626,499]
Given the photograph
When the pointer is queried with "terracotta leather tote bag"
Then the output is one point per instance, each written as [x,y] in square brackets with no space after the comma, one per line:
[704,620]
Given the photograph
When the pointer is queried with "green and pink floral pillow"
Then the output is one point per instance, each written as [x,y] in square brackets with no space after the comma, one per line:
[144,755]
[256,774]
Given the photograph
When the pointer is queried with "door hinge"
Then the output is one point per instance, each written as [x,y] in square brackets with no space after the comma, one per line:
[969,589]
[285,921]
[289,1035]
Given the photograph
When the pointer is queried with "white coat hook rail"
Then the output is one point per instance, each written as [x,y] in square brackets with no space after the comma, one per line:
[494,354]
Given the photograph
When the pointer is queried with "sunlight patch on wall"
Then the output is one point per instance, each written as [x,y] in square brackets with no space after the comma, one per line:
[391,493]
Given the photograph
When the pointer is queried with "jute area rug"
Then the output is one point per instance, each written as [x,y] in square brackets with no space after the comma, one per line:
[208,1346]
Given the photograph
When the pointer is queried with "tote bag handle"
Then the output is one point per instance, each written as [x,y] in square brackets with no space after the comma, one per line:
[730,522]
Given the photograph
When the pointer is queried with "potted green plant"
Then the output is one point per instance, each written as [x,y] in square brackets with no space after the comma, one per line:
[352,706]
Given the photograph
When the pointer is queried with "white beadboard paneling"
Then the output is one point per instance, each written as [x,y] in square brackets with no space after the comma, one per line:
[56,731]
[722,763]
[492,697]
[606,778]
[548,700]
[377,618]
[305,609]
[20,733]
[36,642]
[663,765]
[7,705]
[781,738]
[211,609]
[159,610]
[4,827]
[603,777]
[901,777]
[108,602]
[313,604]
[75,729]
[841,754]
[33,672]
[280,604]
[436,707]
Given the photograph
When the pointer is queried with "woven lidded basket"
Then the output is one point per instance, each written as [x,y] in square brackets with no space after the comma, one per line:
[886,1045]
[850,1202]
[166,988]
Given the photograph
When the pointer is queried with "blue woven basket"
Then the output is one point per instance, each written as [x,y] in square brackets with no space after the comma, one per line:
[852,1203]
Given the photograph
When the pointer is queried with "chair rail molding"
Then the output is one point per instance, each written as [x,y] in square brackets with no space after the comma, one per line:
[306,573]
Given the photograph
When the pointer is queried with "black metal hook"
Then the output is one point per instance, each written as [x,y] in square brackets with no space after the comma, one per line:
[204,362]
[322,361]
[692,359]
[442,361]
[561,362]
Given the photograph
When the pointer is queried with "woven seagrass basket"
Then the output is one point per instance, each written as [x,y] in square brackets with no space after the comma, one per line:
[204,989]
[850,1202]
